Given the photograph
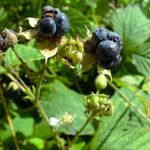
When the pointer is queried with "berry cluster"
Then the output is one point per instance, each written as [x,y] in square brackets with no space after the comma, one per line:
[108,47]
[53,22]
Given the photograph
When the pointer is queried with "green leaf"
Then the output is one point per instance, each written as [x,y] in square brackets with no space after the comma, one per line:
[24,125]
[57,100]
[132,25]
[135,139]
[27,53]
[109,127]
[78,146]
[118,126]
[42,130]
[39,143]
[141,59]
[132,80]
[2,70]
[21,125]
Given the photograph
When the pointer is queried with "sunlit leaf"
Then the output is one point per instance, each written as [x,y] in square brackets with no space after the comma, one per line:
[132,25]
[141,59]
[57,100]
[27,53]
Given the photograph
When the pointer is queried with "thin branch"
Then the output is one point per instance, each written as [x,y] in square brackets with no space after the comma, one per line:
[9,119]
[20,59]
[13,71]
[38,92]
[29,71]
[22,83]
[82,128]
[38,89]
[16,81]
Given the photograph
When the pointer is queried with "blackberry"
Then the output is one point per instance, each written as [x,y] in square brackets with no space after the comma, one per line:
[110,64]
[99,35]
[115,38]
[63,24]
[107,50]
[47,26]
[56,11]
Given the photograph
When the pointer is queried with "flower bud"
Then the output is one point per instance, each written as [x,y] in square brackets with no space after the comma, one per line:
[107,109]
[92,102]
[11,38]
[101,82]
[76,57]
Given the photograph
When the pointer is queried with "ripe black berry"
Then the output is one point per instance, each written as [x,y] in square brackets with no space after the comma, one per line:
[47,9]
[107,50]
[56,11]
[115,38]
[47,26]
[99,35]
[63,24]
[110,64]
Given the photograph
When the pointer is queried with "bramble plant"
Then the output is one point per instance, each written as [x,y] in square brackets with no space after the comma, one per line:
[44,94]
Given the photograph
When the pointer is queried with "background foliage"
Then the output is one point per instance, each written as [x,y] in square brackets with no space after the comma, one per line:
[63,91]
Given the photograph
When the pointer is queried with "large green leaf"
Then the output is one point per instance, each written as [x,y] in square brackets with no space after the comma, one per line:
[27,53]
[141,59]
[132,25]
[57,100]
[135,139]
[114,127]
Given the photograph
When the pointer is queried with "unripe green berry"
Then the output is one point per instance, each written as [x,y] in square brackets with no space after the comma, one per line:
[101,82]
[107,109]
[76,57]
[92,103]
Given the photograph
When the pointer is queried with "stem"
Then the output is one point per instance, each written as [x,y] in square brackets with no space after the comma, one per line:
[20,59]
[126,100]
[23,88]
[82,128]
[16,81]
[38,89]
[17,76]
[9,119]
[38,92]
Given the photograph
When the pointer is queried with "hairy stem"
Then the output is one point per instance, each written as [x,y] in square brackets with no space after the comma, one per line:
[9,119]
[16,81]
[19,81]
[38,92]
[82,128]
[20,59]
